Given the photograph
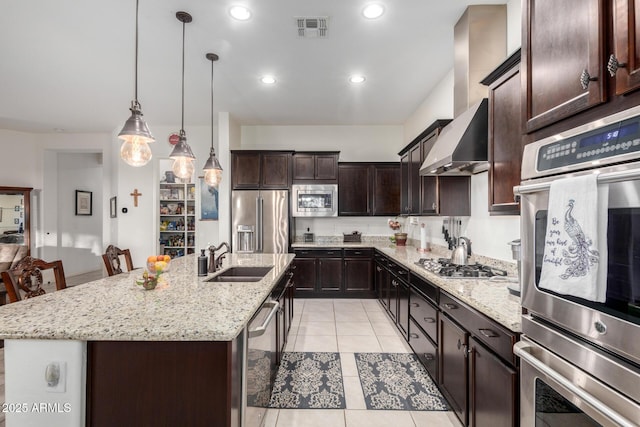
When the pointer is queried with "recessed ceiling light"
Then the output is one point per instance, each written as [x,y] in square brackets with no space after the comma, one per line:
[373,11]
[268,80]
[240,13]
[357,78]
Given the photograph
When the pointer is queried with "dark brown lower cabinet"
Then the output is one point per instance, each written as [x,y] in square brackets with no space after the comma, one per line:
[334,273]
[381,276]
[454,369]
[330,274]
[492,389]
[358,271]
[424,348]
[161,383]
[305,275]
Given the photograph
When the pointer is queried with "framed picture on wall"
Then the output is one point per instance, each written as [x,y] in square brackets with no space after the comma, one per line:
[208,202]
[84,202]
[113,207]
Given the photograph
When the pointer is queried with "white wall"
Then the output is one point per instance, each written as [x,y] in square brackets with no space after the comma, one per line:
[355,143]
[79,237]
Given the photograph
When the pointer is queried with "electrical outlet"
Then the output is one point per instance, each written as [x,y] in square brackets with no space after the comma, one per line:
[414,220]
[55,377]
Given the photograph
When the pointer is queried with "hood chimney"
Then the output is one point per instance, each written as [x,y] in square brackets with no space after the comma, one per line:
[480,44]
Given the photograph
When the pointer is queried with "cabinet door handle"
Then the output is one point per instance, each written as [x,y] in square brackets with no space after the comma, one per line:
[585,79]
[293,267]
[330,253]
[429,356]
[357,253]
[489,333]
[459,344]
[430,320]
[394,283]
[613,65]
[433,206]
[378,269]
[466,350]
[415,304]
[414,336]
[450,306]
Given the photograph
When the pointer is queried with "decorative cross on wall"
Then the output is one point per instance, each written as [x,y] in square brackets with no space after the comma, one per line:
[135,195]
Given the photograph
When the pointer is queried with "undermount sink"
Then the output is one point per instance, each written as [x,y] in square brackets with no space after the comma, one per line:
[241,274]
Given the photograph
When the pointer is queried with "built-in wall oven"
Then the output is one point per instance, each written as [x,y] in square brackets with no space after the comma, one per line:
[580,360]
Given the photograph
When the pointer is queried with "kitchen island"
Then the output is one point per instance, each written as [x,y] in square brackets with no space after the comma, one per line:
[128,356]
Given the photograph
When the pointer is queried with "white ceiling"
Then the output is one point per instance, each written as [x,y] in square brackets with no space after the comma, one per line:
[68,65]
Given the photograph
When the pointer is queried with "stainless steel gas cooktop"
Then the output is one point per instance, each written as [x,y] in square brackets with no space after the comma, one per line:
[444,268]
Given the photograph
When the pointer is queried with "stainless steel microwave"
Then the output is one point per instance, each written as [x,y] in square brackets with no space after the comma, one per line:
[314,200]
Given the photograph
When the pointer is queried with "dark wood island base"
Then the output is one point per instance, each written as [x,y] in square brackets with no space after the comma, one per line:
[162,383]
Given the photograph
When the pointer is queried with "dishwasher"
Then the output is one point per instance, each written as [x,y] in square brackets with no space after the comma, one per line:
[260,364]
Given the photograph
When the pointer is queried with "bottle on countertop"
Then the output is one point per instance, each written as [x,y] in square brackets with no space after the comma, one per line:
[202,264]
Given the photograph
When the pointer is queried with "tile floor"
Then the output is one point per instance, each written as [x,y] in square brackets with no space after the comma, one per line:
[348,326]
[338,325]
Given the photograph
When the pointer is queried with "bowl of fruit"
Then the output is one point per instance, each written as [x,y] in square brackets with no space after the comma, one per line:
[158,264]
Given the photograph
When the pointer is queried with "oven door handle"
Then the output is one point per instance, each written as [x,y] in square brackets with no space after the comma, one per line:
[523,350]
[260,330]
[603,178]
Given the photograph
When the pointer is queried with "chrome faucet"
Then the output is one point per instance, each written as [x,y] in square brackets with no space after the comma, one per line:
[216,262]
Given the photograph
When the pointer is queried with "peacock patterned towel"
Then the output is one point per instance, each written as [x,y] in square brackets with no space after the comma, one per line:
[575,250]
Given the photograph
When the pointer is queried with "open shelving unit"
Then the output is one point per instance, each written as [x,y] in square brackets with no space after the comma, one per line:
[177,213]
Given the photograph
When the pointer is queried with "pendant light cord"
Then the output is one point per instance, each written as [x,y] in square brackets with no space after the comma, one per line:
[212,106]
[136,72]
[182,125]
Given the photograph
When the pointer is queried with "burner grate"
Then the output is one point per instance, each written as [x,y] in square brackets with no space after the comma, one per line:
[444,267]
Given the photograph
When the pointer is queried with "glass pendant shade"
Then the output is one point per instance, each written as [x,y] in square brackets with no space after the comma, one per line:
[212,170]
[135,151]
[182,158]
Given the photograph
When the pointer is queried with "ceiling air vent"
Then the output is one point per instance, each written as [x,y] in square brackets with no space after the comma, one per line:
[312,27]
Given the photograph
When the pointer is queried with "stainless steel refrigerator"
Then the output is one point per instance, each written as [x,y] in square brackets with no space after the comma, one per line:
[260,221]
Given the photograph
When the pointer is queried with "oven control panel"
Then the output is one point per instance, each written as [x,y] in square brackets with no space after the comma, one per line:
[602,142]
[609,141]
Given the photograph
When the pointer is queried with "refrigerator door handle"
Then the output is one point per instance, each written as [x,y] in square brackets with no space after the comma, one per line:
[259,224]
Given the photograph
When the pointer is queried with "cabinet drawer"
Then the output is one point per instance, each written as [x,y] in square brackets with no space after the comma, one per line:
[318,253]
[424,314]
[428,289]
[366,252]
[399,271]
[424,349]
[495,336]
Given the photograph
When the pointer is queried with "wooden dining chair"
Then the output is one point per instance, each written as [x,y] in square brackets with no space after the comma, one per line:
[25,280]
[111,259]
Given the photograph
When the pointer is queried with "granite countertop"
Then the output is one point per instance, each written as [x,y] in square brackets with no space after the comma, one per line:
[116,309]
[493,299]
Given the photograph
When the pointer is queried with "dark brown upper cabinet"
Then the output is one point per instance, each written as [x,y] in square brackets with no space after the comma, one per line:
[623,63]
[319,167]
[562,71]
[505,136]
[368,189]
[411,158]
[260,170]
[431,195]
[602,39]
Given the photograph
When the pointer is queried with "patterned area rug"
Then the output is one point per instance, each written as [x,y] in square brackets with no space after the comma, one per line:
[309,381]
[397,381]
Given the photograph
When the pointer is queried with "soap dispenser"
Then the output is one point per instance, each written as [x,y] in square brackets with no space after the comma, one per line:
[202,263]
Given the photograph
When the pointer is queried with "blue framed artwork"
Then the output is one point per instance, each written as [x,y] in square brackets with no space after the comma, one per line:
[208,202]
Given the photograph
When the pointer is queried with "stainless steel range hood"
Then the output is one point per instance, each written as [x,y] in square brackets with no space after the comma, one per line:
[480,42]
[461,148]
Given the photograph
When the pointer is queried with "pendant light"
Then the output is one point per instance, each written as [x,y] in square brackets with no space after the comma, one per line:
[212,168]
[136,135]
[182,155]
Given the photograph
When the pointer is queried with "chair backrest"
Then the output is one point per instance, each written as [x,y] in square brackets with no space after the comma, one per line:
[111,259]
[25,280]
